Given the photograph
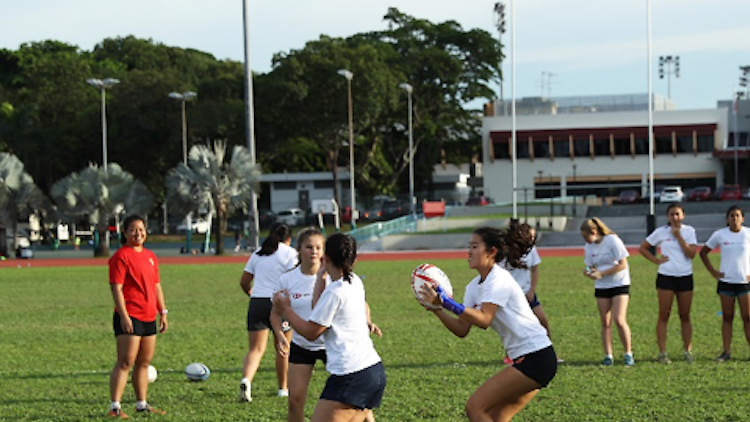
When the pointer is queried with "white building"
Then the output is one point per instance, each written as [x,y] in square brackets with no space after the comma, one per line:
[585,146]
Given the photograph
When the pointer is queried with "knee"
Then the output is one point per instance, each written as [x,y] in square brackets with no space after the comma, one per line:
[472,411]
[621,322]
[728,318]
[125,362]
[296,401]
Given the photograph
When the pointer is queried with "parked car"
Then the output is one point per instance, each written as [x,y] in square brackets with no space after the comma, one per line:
[746,194]
[478,201]
[628,197]
[728,193]
[657,193]
[199,225]
[701,193]
[671,194]
[291,217]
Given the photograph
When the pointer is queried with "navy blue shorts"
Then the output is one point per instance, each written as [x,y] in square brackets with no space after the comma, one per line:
[732,289]
[140,328]
[541,366]
[362,389]
[675,283]
[302,356]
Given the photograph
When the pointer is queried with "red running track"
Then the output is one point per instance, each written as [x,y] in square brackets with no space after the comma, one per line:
[241,259]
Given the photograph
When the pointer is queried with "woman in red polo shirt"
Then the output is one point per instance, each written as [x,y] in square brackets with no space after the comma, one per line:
[138,297]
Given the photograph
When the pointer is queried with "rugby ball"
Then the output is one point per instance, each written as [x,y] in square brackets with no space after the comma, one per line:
[152,373]
[197,371]
[432,275]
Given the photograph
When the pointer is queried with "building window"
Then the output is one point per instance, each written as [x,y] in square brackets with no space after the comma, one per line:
[641,146]
[523,149]
[562,148]
[601,147]
[581,147]
[685,144]
[705,143]
[323,184]
[541,149]
[663,145]
[285,186]
[622,146]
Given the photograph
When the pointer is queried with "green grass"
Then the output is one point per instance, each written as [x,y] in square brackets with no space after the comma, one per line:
[56,350]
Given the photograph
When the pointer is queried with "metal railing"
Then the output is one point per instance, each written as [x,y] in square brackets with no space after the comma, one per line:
[378,229]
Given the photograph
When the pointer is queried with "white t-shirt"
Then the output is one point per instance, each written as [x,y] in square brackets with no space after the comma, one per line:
[342,309]
[514,321]
[300,288]
[678,264]
[523,275]
[735,253]
[605,255]
[267,269]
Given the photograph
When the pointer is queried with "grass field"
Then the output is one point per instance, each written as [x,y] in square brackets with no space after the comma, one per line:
[56,350]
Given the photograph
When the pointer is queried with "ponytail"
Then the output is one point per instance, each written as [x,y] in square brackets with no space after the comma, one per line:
[595,224]
[512,245]
[279,232]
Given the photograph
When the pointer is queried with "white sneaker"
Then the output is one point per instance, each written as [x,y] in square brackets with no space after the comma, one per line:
[282,393]
[245,389]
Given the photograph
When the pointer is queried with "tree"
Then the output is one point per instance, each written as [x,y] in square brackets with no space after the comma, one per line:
[19,195]
[211,181]
[96,195]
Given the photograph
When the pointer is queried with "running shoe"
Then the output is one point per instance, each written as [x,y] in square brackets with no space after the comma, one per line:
[663,358]
[607,361]
[118,413]
[724,357]
[150,410]
[689,356]
[282,393]
[245,395]
[629,360]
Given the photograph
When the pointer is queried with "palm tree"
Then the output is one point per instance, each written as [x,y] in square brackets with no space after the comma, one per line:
[211,182]
[97,195]
[19,195]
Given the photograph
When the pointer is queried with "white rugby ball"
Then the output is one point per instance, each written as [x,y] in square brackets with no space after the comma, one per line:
[152,374]
[432,275]
[197,371]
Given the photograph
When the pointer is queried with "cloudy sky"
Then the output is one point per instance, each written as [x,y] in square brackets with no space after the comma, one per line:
[591,47]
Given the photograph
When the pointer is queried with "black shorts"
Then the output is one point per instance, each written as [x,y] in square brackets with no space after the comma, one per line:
[732,289]
[362,389]
[302,356]
[541,366]
[610,293]
[259,315]
[675,283]
[534,302]
[140,328]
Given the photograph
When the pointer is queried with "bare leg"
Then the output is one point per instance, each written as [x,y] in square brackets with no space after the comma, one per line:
[684,302]
[127,350]
[299,381]
[542,317]
[727,311]
[744,302]
[140,370]
[333,411]
[501,397]
[605,305]
[257,347]
[666,297]
[619,315]
[282,364]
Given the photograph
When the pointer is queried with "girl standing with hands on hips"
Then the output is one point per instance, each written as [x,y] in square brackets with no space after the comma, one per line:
[136,290]
[259,280]
[341,317]
[606,260]
[733,275]
[494,299]
[678,246]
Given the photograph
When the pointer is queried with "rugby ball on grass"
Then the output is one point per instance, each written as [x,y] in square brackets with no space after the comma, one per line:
[152,373]
[197,371]
[432,275]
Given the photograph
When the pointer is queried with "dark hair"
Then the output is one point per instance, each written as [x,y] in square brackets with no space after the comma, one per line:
[733,208]
[126,223]
[674,205]
[512,245]
[341,249]
[306,234]
[279,232]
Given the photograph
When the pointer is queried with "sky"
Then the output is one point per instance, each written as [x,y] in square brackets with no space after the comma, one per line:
[589,47]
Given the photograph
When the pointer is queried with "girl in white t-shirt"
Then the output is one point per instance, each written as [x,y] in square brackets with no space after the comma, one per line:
[733,275]
[678,246]
[259,280]
[340,315]
[494,299]
[606,260]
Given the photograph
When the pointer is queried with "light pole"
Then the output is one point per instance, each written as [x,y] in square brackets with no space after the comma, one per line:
[574,196]
[348,75]
[744,79]
[668,61]
[409,90]
[252,207]
[102,85]
[183,98]
[500,25]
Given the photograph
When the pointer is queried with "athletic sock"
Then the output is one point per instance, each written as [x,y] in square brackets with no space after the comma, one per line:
[141,404]
[114,405]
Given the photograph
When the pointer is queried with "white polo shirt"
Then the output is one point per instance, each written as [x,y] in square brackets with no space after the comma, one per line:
[300,288]
[605,255]
[515,323]
[523,275]
[679,264]
[267,269]
[735,253]
[342,309]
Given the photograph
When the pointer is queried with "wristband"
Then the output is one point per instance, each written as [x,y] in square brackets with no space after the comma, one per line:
[164,311]
[449,303]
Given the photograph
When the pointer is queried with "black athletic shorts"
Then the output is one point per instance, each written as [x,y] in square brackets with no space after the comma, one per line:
[675,283]
[302,356]
[732,289]
[610,293]
[541,366]
[362,389]
[140,328]
[259,315]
